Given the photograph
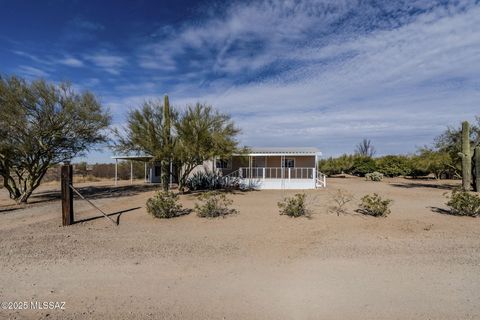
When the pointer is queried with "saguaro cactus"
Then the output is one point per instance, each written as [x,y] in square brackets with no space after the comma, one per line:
[166,136]
[466,157]
[476,169]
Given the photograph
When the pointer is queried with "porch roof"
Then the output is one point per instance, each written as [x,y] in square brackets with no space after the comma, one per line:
[282,151]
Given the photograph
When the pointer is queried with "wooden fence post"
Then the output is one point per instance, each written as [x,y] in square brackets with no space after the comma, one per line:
[67,195]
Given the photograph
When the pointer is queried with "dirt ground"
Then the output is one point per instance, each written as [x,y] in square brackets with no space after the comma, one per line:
[415,264]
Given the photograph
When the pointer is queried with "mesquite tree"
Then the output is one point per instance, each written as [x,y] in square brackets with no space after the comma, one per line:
[41,125]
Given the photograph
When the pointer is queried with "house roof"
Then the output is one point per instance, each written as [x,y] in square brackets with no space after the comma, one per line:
[281,151]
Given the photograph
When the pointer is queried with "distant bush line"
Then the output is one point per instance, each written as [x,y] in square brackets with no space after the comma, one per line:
[425,163]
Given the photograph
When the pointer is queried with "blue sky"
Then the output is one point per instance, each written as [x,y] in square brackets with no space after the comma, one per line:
[292,73]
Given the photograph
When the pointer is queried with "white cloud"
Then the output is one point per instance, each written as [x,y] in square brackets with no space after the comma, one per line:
[109,62]
[400,86]
[71,62]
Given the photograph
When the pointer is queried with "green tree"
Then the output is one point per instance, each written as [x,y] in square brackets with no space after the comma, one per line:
[202,134]
[363,165]
[393,166]
[199,133]
[147,132]
[450,141]
[428,161]
[43,124]
[342,164]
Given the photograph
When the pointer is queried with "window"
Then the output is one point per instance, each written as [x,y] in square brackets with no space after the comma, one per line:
[223,164]
[289,163]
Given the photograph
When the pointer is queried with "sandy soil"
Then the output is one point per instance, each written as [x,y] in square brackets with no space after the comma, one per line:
[415,264]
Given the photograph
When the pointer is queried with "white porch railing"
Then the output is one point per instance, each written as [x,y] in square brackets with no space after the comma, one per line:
[276,173]
[321,180]
[271,173]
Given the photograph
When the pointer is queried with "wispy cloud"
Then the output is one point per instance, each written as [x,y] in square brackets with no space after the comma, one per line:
[109,62]
[328,73]
[321,72]
[71,62]
[32,72]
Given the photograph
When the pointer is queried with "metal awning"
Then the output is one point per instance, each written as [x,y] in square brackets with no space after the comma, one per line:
[281,151]
[134,158]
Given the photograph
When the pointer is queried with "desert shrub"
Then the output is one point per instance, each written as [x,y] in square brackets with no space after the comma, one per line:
[164,204]
[340,198]
[363,165]
[374,205]
[463,203]
[374,176]
[204,181]
[428,161]
[214,204]
[393,166]
[294,206]
[331,166]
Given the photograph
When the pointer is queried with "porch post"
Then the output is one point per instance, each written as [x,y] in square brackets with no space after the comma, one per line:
[116,171]
[250,169]
[289,173]
[263,173]
[131,172]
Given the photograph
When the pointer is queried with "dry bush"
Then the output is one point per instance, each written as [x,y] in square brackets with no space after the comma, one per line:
[340,198]
[374,176]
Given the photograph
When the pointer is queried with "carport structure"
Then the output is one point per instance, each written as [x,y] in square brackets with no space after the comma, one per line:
[145,159]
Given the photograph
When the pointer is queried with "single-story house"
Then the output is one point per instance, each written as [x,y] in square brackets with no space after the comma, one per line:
[274,168]
[260,168]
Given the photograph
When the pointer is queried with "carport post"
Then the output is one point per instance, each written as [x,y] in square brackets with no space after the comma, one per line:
[145,171]
[116,171]
[131,172]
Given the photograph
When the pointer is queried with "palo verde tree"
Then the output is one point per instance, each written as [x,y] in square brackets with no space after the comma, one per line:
[198,134]
[41,125]
[148,131]
[202,134]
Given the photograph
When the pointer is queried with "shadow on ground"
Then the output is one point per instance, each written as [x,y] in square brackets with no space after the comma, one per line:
[89,192]
[118,213]
[412,185]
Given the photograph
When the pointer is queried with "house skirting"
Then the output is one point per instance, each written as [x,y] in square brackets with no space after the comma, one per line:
[273,184]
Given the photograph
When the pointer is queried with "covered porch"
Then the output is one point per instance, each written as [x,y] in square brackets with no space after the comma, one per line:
[274,168]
